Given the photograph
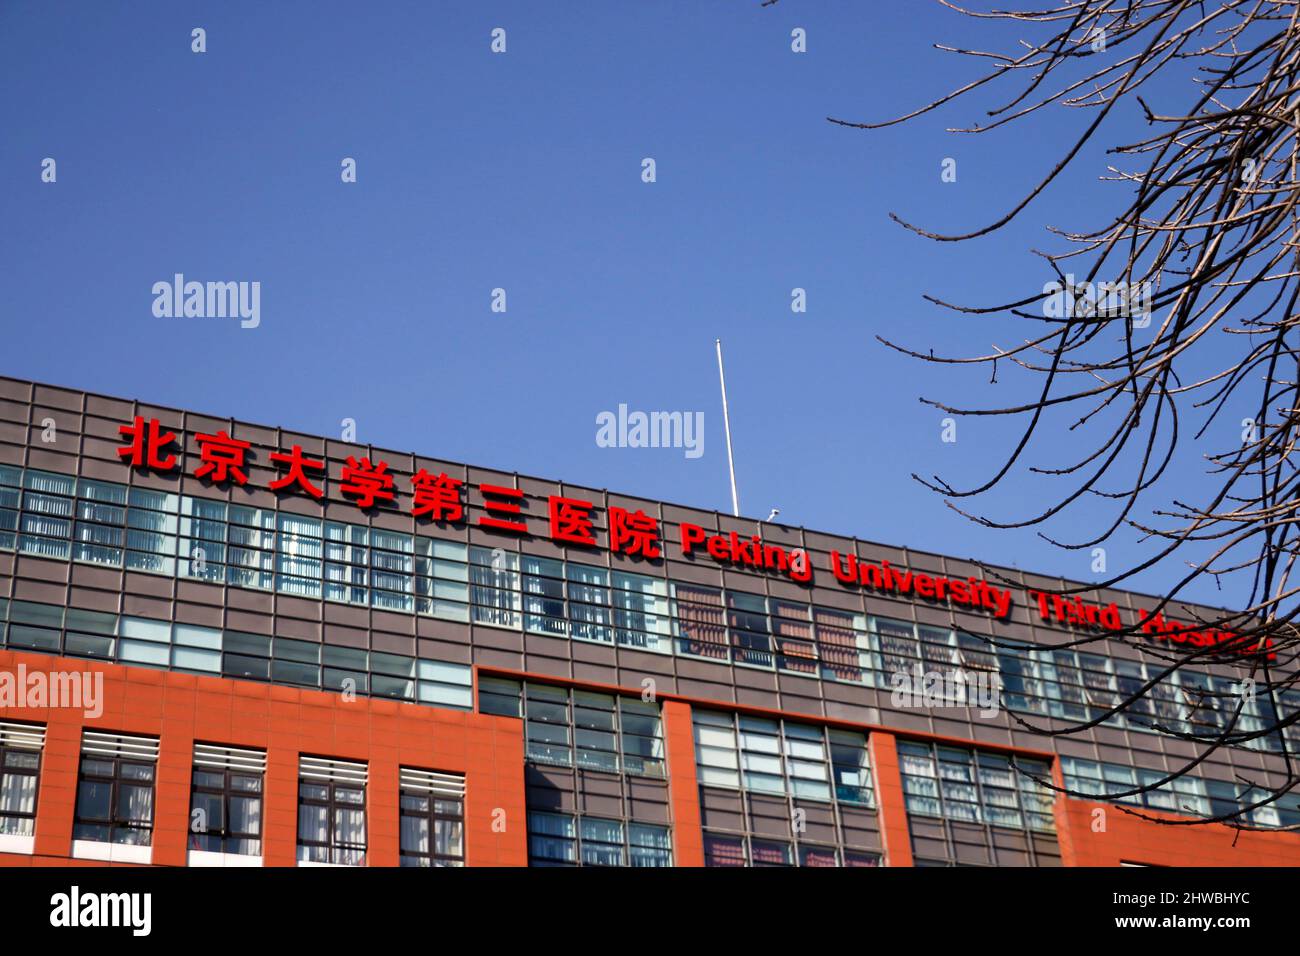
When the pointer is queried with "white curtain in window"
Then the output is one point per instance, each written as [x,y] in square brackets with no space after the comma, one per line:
[312,825]
[415,834]
[246,815]
[17,793]
[136,804]
[349,827]
[449,837]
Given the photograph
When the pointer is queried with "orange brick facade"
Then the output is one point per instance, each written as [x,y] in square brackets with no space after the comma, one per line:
[180,709]
[489,751]
[1127,838]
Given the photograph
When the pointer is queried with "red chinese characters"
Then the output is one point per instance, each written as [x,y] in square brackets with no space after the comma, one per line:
[147,443]
[222,458]
[436,497]
[633,532]
[366,483]
[571,521]
[298,466]
[508,507]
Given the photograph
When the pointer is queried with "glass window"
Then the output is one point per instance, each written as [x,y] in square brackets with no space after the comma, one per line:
[114,800]
[900,651]
[715,749]
[1021,688]
[442,576]
[38,615]
[649,845]
[49,483]
[589,602]
[770,853]
[556,839]
[543,596]
[1188,795]
[760,755]
[143,629]
[792,633]
[781,757]
[494,575]
[640,606]
[20,770]
[552,840]
[392,584]
[191,635]
[99,533]
[726,849]
[600,732]
[750,632]
[849,762]
[196,659]
[976,652]
[602,842]
[641,737]
[975,786]
[720,850]
[596,731]
[331,822]
[496,696]
[699,621]
[226,811]
[821,856]
[805,756]
[432,829]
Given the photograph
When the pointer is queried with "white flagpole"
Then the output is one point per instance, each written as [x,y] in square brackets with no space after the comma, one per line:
[726,423]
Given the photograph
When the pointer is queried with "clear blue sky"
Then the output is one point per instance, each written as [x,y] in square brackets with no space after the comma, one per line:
[523,171]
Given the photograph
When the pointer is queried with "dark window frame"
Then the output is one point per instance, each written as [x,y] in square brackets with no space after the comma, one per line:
[334,847]
[116,782]
[432,816]
[225,792]
[579,841]
[6,771]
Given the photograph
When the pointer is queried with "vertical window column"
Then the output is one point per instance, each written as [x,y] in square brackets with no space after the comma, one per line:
[152,521]
[114,813]
[21,746]
[494,575]
[700,622]
[432,818]
[11,480]
[331,812]
[561,839]
[226,806]
[100,530]
[45,527]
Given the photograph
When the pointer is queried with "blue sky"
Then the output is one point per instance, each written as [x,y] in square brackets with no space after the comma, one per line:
[523,171]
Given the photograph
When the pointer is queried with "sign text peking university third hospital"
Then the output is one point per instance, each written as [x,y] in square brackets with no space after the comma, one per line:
[318,653]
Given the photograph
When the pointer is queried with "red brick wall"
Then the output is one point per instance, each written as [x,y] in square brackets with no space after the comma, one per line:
[182,708]
[1130,839]
[683,788]
[888,779]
